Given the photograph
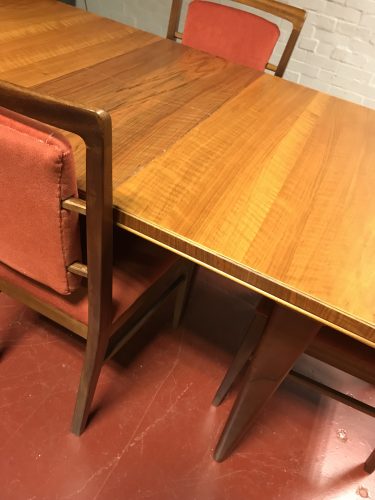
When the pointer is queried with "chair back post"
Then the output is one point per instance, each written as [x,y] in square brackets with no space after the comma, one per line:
[174,19]
[99,226]
[281,67]
[292,14]
[94,127]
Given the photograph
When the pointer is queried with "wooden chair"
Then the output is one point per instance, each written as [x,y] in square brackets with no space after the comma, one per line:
[41,219]
[329,346]
[236,35]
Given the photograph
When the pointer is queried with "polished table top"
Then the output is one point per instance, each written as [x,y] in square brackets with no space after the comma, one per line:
[260,179]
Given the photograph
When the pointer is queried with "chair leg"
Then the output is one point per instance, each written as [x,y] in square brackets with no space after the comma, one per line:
[370,463]
[96,348]
[248,344]
[286,336]
[183,292]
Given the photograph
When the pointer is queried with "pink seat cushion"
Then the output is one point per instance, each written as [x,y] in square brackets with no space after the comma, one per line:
[37,238]
[233,34]
[138,265]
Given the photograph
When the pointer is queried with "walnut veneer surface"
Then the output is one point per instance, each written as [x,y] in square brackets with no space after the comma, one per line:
[260,179]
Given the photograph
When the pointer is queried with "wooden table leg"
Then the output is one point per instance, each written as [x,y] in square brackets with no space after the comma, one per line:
[249,342]
[286,336]
[370,463]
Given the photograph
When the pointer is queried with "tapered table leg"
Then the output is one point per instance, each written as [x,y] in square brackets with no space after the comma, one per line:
[370,463]
[286,336]
[247,347]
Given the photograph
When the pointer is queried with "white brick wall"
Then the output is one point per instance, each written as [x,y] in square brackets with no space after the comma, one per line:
[335,53]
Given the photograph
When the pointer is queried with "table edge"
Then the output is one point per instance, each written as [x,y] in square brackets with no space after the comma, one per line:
[195,253]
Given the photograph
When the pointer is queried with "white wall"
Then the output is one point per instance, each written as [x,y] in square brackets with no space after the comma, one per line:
[335,53]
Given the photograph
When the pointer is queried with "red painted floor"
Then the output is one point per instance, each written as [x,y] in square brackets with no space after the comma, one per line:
[153,430]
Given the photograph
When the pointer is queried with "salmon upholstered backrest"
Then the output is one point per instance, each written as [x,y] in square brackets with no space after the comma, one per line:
[235,35]
[38,238]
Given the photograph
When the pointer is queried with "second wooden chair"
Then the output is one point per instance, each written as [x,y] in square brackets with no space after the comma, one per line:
[235,35]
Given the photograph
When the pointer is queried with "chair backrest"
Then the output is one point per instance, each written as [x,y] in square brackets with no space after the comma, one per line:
[236,35]
[38,204]
[38,238]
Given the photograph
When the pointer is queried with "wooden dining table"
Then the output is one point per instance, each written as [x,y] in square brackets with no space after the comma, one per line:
[264,181]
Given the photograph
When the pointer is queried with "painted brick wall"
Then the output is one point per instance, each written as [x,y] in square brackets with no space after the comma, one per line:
[335,53]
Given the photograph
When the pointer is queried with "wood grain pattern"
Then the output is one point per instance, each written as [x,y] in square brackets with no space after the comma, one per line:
[262,180]
[155,95]
[45,39]
[281,201]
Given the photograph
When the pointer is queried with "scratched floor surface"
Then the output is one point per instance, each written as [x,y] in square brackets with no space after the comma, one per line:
[153,430]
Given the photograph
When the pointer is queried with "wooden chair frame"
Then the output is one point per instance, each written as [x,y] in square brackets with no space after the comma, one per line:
[95,128]
[294,15]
